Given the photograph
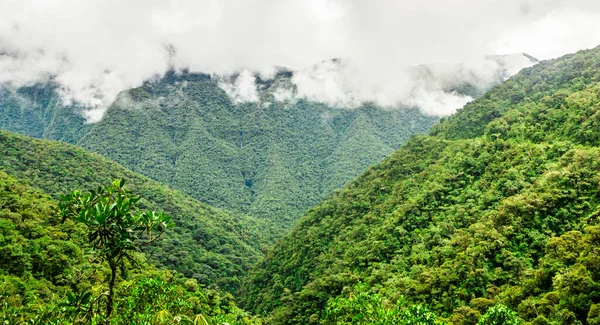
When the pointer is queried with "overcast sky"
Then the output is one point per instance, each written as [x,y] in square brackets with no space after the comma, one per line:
[98,48]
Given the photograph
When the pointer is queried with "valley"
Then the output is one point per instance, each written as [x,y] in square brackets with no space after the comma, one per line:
[353,191]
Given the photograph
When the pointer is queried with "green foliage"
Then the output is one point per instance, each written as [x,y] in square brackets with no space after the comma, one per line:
[114,230]
[499,315]
[594,315]
[151,298]
[272,160]
[212,246]
[40,258]
[47,275]
[363,308]
[498,205]
[38,111]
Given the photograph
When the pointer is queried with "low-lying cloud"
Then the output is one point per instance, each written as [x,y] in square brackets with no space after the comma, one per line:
[95,49]
[434,88]
[242,89]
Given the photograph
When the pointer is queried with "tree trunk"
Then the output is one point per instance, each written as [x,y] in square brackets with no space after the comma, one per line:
[111,289]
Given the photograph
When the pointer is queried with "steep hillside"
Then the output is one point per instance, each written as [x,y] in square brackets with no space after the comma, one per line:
[499,204]
[269,159]
[272,158]
[208,244]
[38,111]
[45,270]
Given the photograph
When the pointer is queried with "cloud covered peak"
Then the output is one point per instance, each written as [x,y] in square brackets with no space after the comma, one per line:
[436,89]
[95,49]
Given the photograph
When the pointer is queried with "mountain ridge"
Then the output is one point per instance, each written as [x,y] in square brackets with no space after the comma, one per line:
[481,211]
[184,129]
[232,143]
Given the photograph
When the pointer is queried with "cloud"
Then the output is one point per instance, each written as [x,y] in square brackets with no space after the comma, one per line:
[240,88]
[437,89]
[283,94]
[97,48]
[438,102]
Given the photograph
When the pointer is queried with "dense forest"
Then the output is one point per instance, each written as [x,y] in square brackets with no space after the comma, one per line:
[208,244]
[39,111]
[272,159]
[491,218]
[54,269]
[48,275]
[499,204]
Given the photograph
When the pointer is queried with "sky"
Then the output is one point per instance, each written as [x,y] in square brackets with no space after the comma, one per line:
[97,48]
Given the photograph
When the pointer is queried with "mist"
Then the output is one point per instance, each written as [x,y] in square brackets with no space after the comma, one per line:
[96,49]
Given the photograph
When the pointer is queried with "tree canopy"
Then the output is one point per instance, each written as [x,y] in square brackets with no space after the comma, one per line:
[499,204]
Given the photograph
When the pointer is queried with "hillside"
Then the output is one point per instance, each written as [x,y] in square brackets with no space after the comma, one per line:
[45,270]
[183,130]
[207,244]
[272,158]
[500,203]
[38,111]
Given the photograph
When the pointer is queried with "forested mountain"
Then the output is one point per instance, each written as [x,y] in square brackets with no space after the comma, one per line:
[39,111]
[272,158]
[210,245]
[272,161]
[408,227]
[500,203]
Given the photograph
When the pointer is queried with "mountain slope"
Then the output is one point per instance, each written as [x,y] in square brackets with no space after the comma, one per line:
[45,266]
[186,132]
[208,244]
[190,131]
[39,111]
[499,204]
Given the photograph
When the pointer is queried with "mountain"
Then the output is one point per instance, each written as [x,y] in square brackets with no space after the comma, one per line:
[272,157]
[210,245]
[268,159]
[499,204]
[39,111]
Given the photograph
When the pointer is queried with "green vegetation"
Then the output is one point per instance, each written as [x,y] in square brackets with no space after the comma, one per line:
[499,315]
[363,308]
[114,229]
[500,204]
[492,218]
[38,111]
[272,160]
[210,245]
[48,274]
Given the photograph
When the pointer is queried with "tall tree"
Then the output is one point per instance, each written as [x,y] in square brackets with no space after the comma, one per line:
[115,226]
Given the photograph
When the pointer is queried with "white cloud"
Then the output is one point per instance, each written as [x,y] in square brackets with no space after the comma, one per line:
[429,87]
[97,48]
[282,94]
[437,102]
[242,89]
[565,30]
